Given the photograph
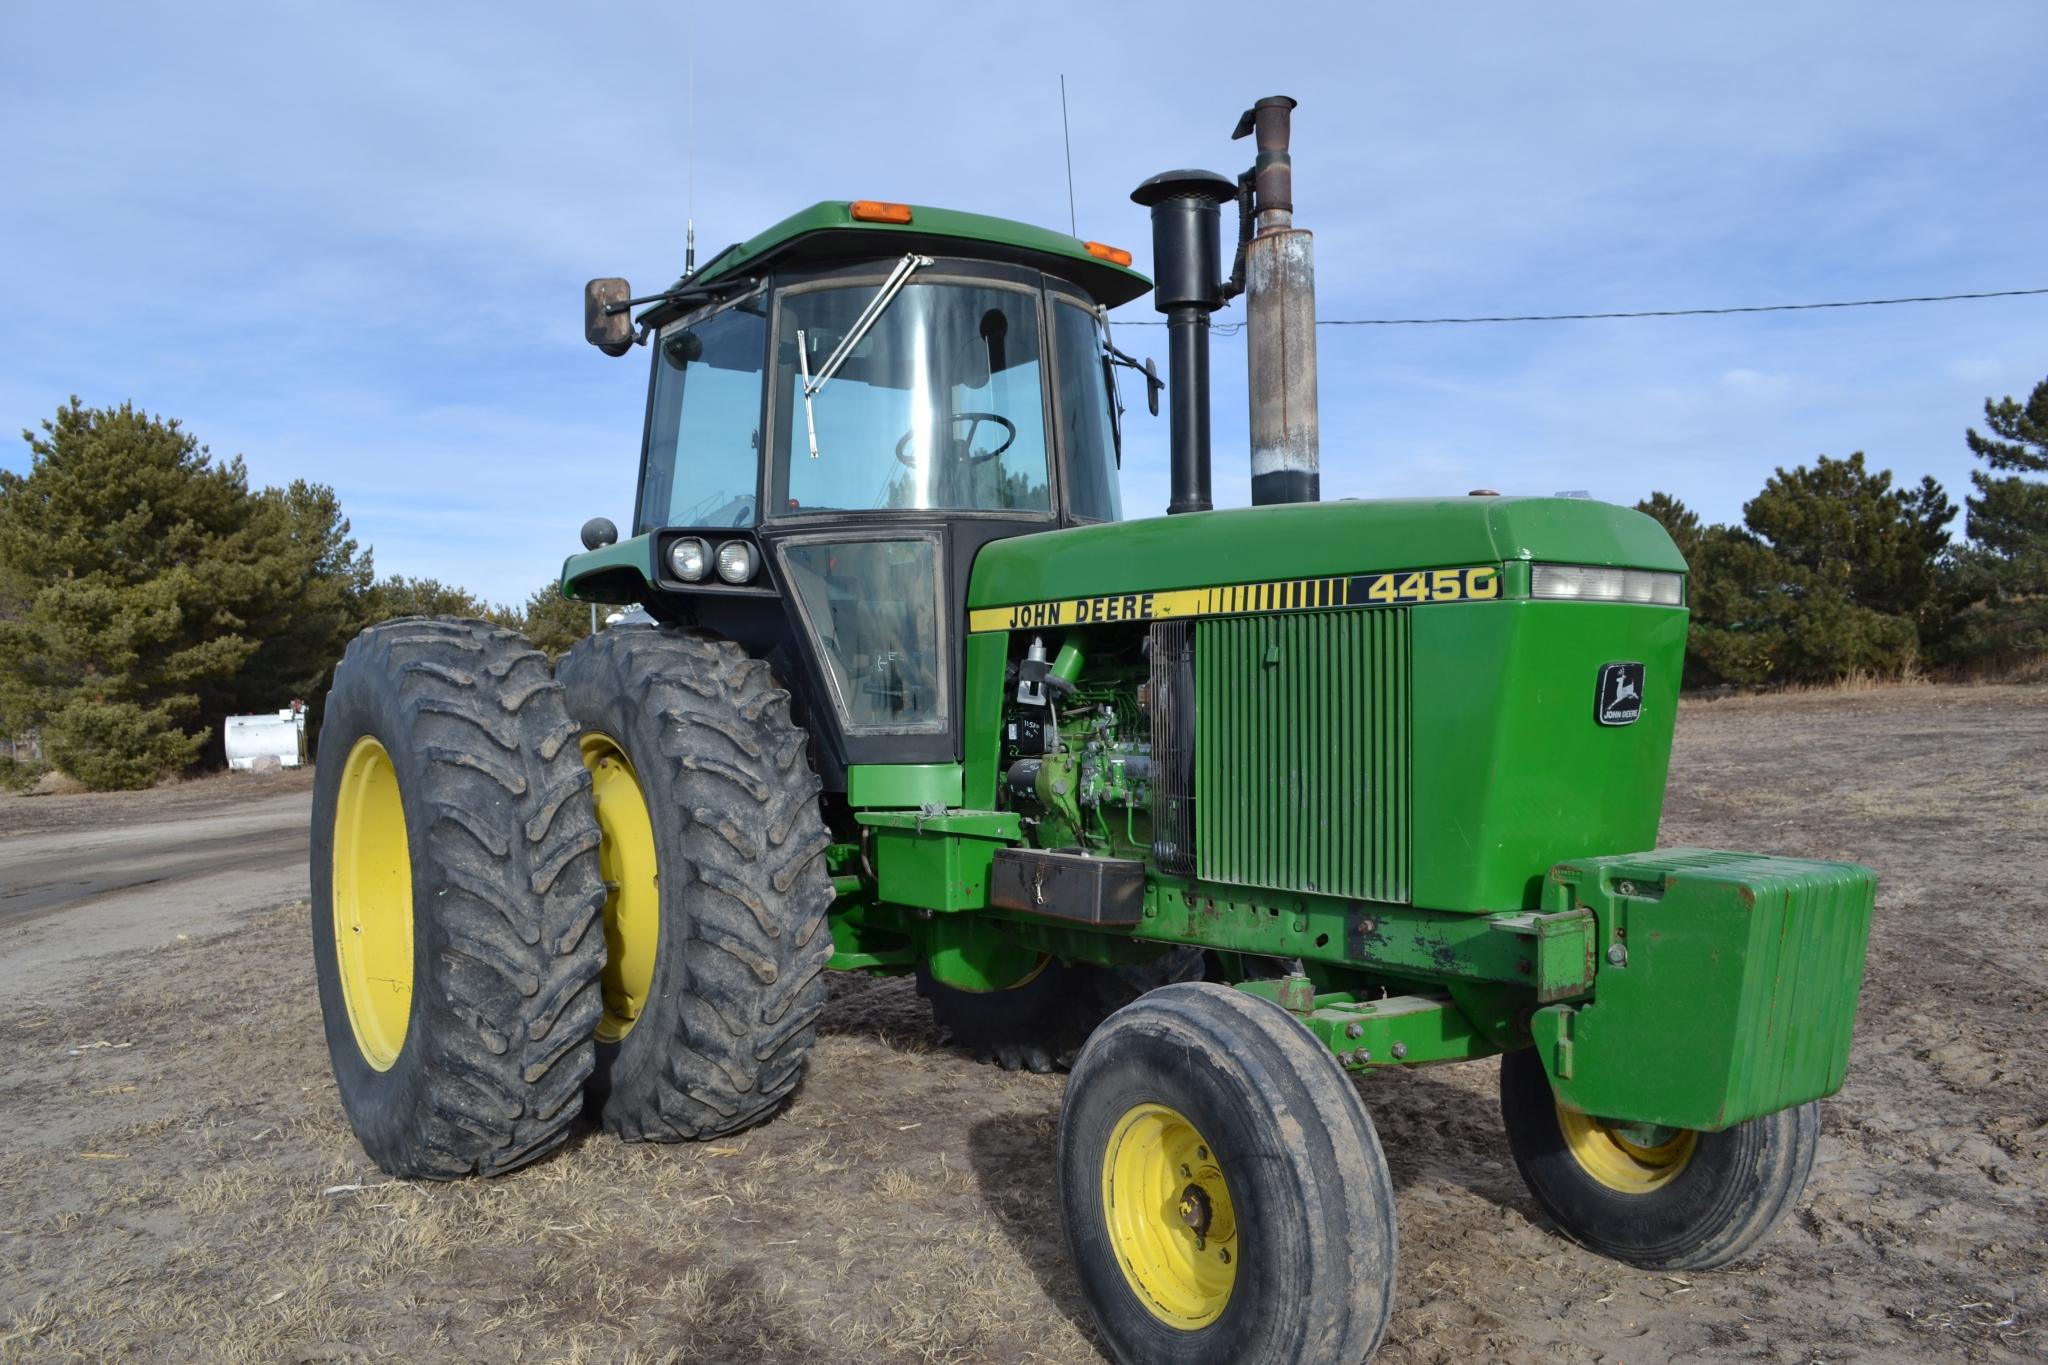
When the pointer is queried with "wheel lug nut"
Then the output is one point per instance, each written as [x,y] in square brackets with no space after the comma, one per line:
[1201,1153]
[1224,1252]
[1185,1172]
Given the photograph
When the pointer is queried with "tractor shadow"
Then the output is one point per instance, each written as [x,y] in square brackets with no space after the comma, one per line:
[883,1010]
[1013,1160]
[1440,1126]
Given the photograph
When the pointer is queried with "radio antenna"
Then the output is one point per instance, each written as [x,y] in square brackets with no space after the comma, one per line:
[690,172]
[1067,136]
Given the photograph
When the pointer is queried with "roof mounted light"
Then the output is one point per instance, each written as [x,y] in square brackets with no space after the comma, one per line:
[1102,251]
[878,211]
[1579,582]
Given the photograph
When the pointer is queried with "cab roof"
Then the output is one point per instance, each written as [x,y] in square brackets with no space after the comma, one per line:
[828,231]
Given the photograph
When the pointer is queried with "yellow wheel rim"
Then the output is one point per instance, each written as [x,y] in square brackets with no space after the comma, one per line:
[373,903]
[632,901]
[1171,1225]
[1632,1161]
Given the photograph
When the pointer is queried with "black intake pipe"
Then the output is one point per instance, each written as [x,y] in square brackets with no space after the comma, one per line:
[1187,268]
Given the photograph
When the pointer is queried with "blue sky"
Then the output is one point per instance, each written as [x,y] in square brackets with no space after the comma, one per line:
[348,242]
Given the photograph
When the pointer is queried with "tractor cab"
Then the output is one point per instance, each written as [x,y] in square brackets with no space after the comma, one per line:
[841,413]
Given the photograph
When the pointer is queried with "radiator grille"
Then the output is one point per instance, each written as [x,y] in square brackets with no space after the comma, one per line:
[1302,757]
[1172,703]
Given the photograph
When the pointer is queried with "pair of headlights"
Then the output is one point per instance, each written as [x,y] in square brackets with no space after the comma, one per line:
[1590,584]
[692,560]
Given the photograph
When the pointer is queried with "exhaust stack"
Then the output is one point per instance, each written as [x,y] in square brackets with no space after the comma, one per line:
[1280,319]
[1187,263]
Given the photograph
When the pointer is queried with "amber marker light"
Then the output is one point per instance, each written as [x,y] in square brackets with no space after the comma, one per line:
[878,211]
[1102,251]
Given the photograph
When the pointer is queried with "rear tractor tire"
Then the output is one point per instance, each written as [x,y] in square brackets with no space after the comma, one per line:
[1041,1023]
[455,899]
[1223,1192]
[1660,1199]
[717,892]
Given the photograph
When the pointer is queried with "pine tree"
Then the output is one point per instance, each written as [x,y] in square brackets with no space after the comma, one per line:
[145,592]
[554,622]
[1789,610]
[1880,546]
[2003,573]
[400,596]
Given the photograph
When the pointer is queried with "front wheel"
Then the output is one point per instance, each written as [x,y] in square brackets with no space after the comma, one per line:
[1223,1191]
[1658,1198]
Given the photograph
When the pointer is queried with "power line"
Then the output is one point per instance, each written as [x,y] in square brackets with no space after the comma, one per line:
[1230,328]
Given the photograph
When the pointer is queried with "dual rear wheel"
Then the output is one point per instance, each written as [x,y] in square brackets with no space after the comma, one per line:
[542,888]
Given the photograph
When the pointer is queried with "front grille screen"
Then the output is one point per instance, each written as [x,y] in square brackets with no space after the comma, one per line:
[1302,752]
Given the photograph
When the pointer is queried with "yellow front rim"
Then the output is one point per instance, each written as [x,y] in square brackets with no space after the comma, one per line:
[373,903]
[1623,1163]
[1167,1208]
[632,901]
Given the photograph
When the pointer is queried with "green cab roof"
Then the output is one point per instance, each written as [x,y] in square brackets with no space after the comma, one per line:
[828,230]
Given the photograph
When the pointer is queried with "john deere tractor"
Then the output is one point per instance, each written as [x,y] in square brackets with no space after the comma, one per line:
[1226,810]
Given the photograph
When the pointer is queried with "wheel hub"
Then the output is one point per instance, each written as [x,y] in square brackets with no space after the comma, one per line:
[1627,1157]
[373,941]
[1168,1212]
[632,900]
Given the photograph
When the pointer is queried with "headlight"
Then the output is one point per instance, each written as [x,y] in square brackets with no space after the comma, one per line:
[736,561]
[1607,585]
[689,559]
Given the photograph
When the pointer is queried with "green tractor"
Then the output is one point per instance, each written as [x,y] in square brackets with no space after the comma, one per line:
[1221,809]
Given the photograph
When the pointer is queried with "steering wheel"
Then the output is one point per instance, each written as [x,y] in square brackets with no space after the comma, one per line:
[974,421]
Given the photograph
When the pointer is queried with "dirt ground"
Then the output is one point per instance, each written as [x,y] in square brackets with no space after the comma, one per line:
[177,1180]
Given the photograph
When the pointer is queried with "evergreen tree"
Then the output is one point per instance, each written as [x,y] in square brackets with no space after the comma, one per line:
[145,592]
[1762,615]
[554,622]
[2003,574]
[398,596]
[1680,522]
[1880,547]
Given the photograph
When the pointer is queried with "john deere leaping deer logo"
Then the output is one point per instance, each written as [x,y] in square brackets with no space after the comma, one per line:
[1619,699]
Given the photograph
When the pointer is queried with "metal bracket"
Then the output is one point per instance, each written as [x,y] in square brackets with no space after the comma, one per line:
[1562,952]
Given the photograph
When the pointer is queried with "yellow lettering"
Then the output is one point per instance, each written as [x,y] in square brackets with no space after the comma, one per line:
[1381,588]
[1482,582]
[1444,585]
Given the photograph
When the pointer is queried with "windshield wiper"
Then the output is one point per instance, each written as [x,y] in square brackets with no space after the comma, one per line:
[862,325]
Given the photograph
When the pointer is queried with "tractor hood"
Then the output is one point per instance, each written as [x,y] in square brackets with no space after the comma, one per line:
[1300,541]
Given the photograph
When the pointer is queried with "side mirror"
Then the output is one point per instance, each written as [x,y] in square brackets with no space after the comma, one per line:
[1153,384]
[599,532]
[607,321]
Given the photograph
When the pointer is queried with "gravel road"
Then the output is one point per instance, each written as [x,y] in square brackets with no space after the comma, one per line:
[76,889]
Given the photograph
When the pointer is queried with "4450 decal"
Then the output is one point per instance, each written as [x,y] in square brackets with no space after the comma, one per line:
[1406,587]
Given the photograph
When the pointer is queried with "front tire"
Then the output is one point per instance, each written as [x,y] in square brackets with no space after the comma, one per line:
[714,846]
[1669,1199]
[455,899]
[1223,1192]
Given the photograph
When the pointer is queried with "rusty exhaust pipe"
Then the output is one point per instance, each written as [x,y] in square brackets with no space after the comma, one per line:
[1280,319]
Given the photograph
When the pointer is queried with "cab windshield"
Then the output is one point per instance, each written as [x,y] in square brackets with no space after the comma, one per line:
[940,405]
